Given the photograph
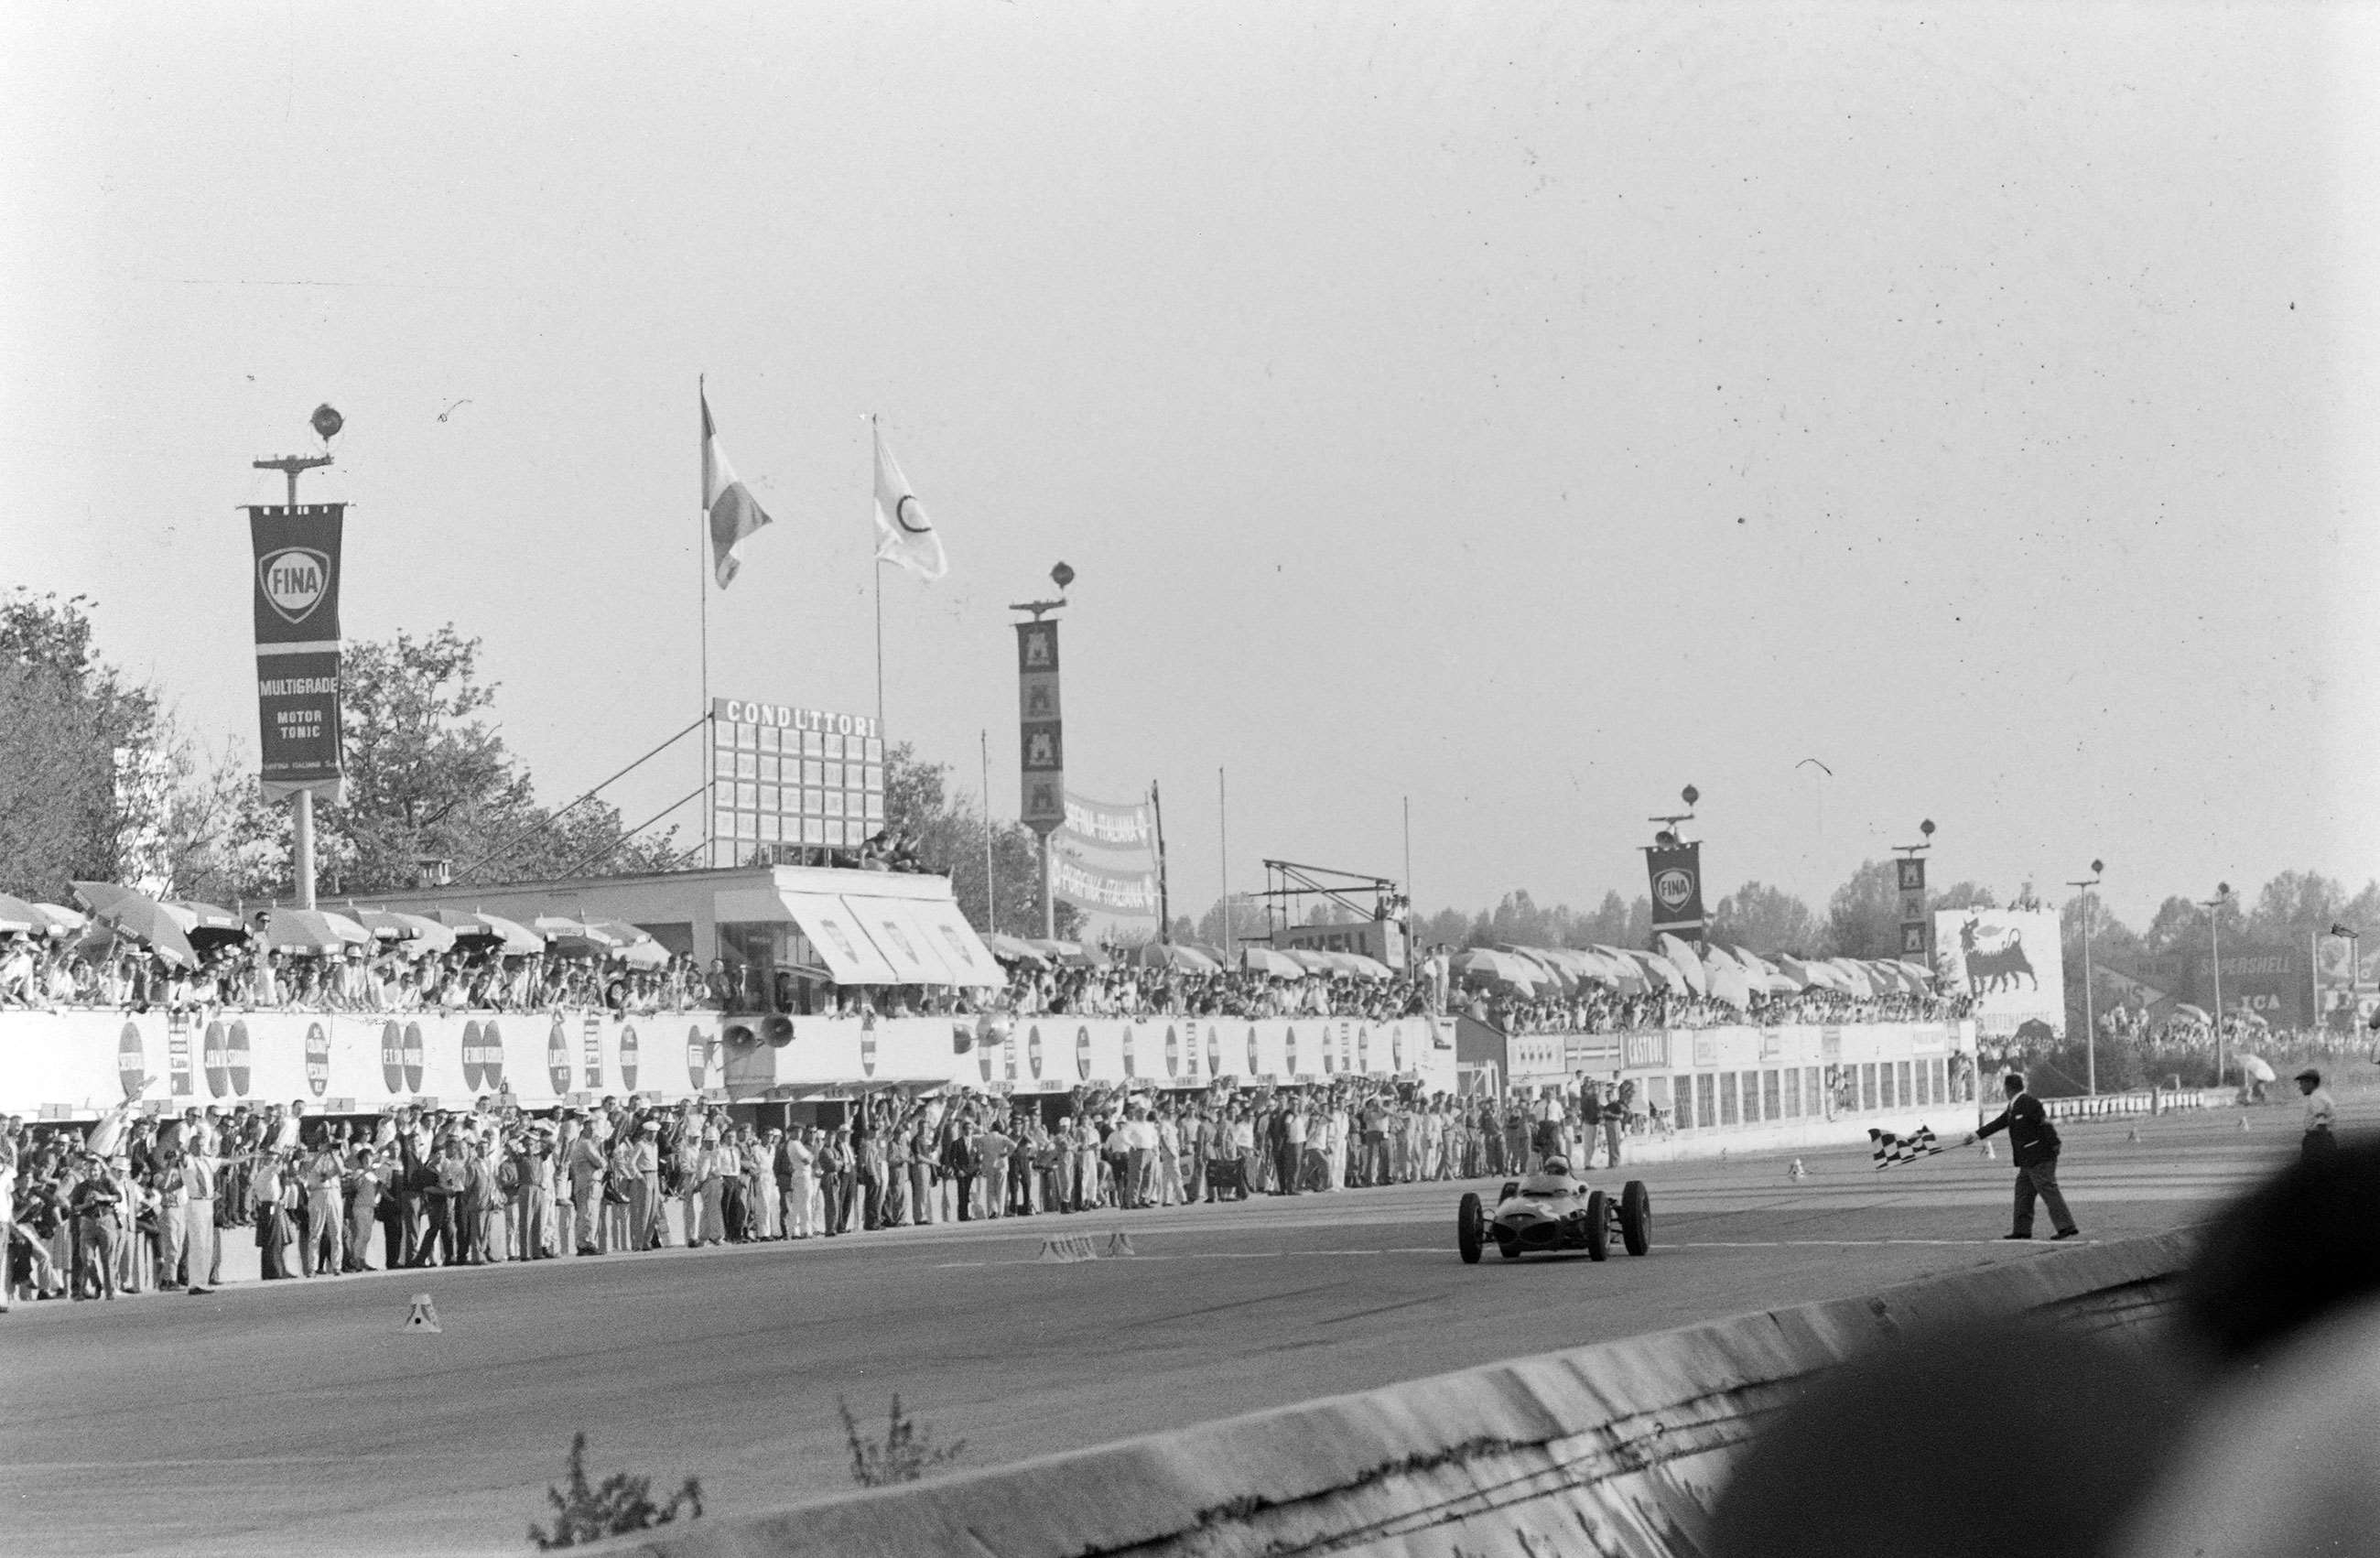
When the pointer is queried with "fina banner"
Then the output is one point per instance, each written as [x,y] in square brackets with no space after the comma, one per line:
[298,647]
[1040,730]
[1676,873]
[2010,960]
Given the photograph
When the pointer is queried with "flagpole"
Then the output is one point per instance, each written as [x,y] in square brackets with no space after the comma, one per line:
[702,587]
[990,899]
[876,565]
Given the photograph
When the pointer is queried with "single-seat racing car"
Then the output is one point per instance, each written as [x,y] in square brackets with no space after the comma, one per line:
[1550,1212]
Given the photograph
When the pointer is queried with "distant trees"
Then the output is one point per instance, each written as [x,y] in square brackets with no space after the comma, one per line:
[1767,919]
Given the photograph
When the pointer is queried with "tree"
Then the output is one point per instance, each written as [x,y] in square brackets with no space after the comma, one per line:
[1963,896]
[2294,907]
[64,714]
[2180,926]
[1247,919]
[1864,915]
[1767,919]
[949,833]
[428,777]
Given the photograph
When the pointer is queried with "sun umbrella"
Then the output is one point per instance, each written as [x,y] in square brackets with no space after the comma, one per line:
[1730,983]
[518,939]
[1273,965]
[553,925]
[2194,1014]
[18,918]
[383,924]
[427,936]
[2254,1066]
[1309,959]
[1689,966]
[1361,966]
[1856,979]
[1780,983]
[68,921]
[1498,967]
[1754,964]
[142,917]
[1170,955]
[1920,973]
[1073,955]
[311,930]
[207,917]
[1012,949]
[1661,971]
[1804,975]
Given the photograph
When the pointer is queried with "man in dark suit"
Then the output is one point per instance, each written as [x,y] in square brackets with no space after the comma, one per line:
[2034,1142]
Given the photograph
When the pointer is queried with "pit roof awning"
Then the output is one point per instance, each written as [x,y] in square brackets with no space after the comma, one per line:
[848,951]
[867,939]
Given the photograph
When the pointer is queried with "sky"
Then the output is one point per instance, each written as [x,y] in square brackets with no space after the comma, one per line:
[1519,411]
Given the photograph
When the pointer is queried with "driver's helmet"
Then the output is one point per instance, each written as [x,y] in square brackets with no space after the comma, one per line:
[1554,1168]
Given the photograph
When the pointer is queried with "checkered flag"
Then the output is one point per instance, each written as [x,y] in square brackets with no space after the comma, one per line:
[1891,1149]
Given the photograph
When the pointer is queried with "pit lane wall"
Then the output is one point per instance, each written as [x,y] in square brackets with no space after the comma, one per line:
[77,1065]
[1617,1449]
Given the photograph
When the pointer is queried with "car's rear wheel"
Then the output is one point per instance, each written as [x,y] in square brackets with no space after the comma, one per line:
[1598,1226]
[1636,1217]
[1470,1228]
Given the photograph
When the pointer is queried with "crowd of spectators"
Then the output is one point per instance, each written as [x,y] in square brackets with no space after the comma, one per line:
[1593,1008]
[147,1202]
[1129,991]
[117,972]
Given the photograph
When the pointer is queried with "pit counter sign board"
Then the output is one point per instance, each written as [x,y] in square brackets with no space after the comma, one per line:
[787,780]
[297,582]
[1040,727]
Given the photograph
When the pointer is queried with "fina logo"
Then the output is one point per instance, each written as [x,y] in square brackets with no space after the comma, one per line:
[294,579]
[1673,887]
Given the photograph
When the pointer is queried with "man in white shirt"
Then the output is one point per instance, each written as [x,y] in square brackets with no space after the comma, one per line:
[2321,1115]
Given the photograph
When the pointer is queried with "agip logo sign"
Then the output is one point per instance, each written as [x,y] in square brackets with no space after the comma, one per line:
[294,580]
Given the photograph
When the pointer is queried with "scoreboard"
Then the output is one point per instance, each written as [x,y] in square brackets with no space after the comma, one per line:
[787,783]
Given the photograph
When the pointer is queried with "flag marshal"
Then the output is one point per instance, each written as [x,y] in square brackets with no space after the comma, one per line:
[734,512]
[903,535]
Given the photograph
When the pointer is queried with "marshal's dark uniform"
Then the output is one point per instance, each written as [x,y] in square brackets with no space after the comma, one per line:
[2034,1142]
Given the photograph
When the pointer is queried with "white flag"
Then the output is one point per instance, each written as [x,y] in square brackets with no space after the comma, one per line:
[734,512]
[903,534]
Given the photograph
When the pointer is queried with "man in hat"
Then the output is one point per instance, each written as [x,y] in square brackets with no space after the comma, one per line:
[2321,1115]
[645,1188]
[582,1160]
[2033,1142]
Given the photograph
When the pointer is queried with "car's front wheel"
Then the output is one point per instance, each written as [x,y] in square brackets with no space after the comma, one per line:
[1598,1226]
[1470,1228]
[1636,1217]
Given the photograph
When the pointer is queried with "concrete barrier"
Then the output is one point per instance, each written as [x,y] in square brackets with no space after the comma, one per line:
[1612,1449]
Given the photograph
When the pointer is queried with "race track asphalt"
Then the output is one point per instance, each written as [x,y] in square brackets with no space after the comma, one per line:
[299,1418]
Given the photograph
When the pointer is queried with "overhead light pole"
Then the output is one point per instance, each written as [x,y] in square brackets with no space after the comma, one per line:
[326,423]
[2213,908]
[2090,1016]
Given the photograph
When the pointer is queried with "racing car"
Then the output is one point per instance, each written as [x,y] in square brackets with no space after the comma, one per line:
[1551,1211]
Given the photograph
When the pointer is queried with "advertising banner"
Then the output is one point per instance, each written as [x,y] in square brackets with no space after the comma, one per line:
[296,610]
[1103,891]
[2347,981]
[1040,730]
[1676,874]
[2010,960]
[2274,982]
[1105,860]
[1383,941]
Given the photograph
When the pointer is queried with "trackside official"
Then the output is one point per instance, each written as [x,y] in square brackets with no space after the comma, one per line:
[2321,1115]
[2033,1142]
